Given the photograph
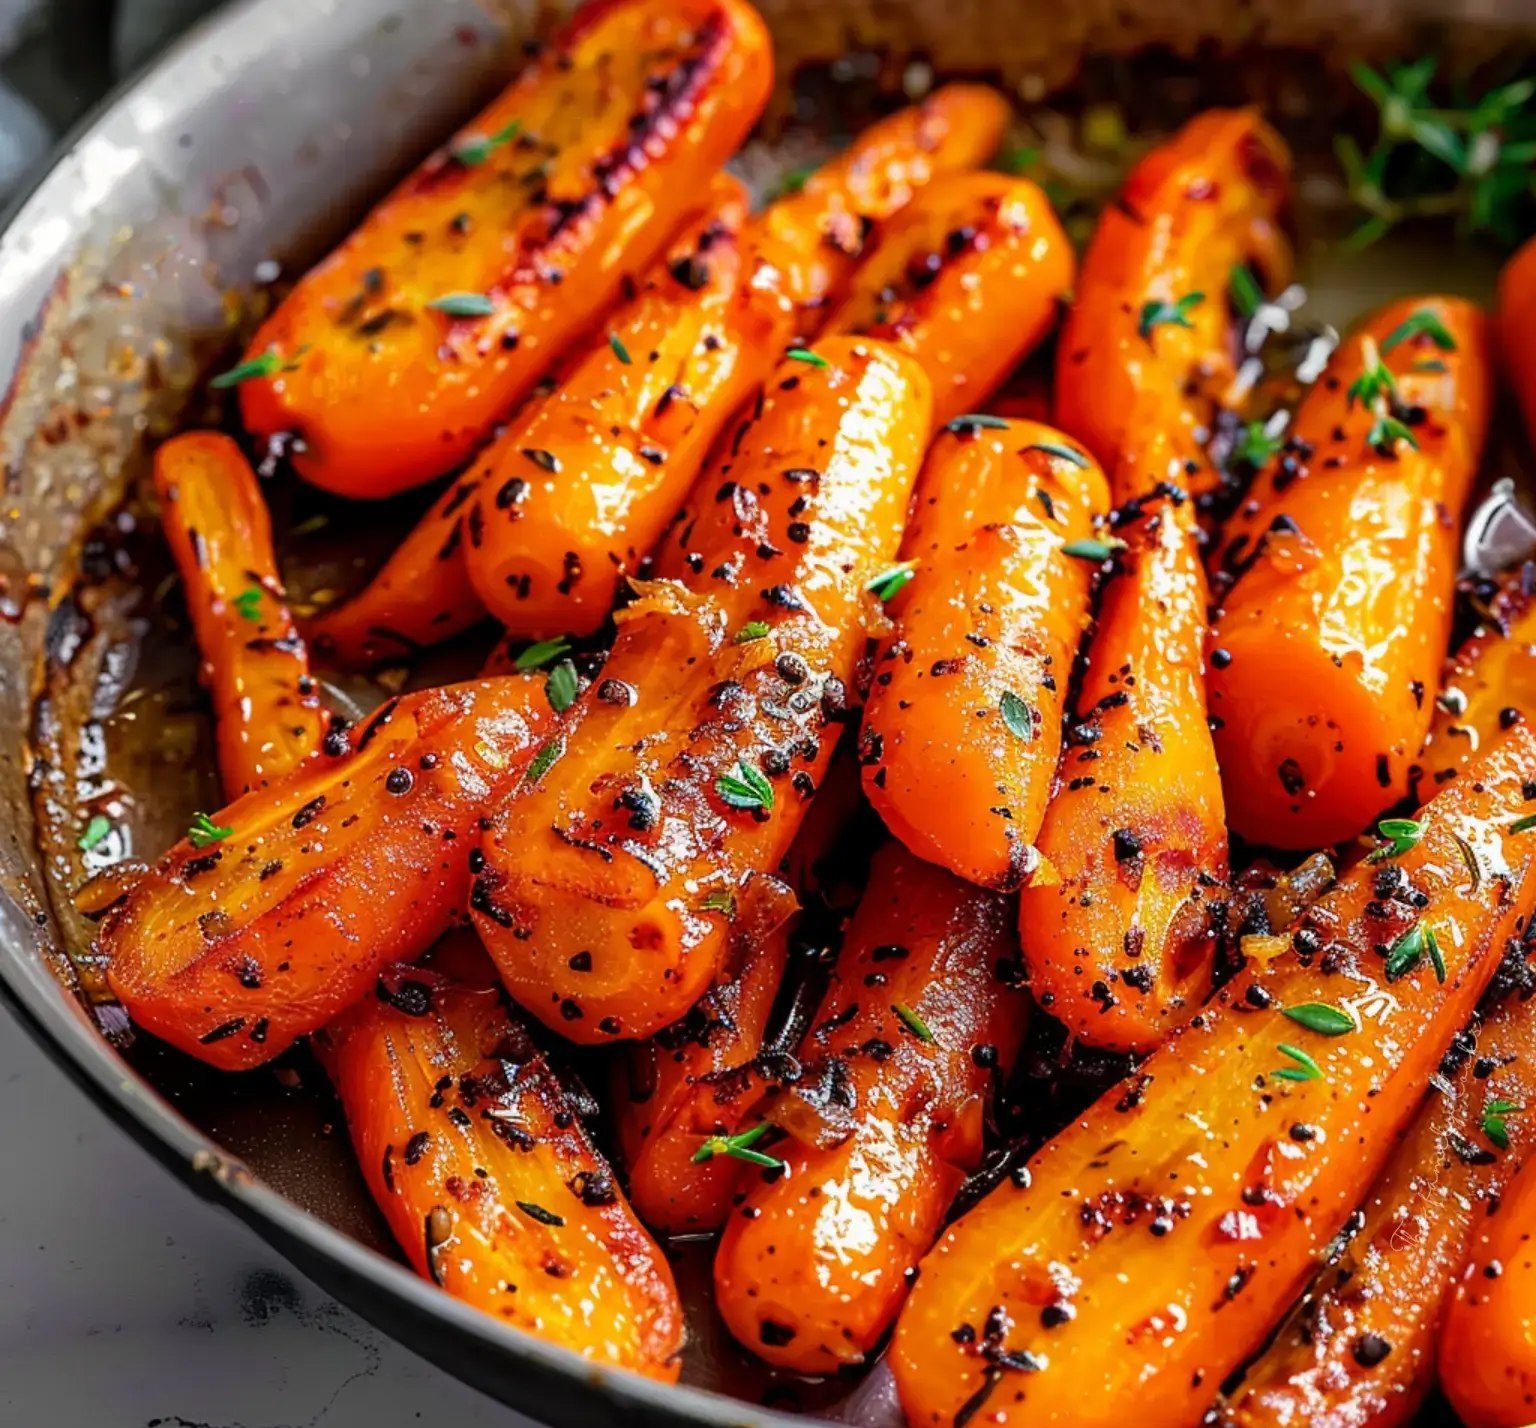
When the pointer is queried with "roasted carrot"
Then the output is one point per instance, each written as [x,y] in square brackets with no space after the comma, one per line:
[1488,1340]
[691,762]
[962,730]
[267,711]
[697,1081]
[1487,684]
[544,525]
[1148,1248]
[475,1153]
[394,357]
[817,235]
[1516,318]
[1120,938]
[884,1121]
[1325,656]
[968,278]
[1147,351]
[276,913]
[1360,1350]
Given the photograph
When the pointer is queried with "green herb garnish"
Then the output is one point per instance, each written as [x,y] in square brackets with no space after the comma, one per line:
[1523,825]
[913,1022]
[1401,835]
[891,579]
[1425,323]
[1321,1017]
[97,829]
[539,1213]
[1017,716]
[1056,448]
[752,630]
[1436,956]
[746,786]
[562,686]
[248,603]
[476,148]
[204,831]
[1247,295]
[1256,445]
[1387,431]
[547,757]
[463,305]
[721,900]
[975,421]
[804,354]
[267,364]
[1495,1114]
[1098,551]
[537,656]
[739,1147]
[1157,314]
[619,349]
[1406,953]
[1305,1069]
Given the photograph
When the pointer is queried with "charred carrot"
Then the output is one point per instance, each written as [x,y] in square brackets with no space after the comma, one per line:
[267,711]
[967,278]
[1325,655]
[884,1121]
[1147,351]
[691,762]
[1148,1248]
[276,913]
[693,1085]
[1516,318]
[1488,1340]
[1487,684]
[962,730]
[816,235]
[476,1155]
[394,357]
[1360,1350]
[1120,938]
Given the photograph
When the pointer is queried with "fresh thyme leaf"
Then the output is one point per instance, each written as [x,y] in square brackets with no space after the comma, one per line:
[1305,1069]
[1495,1117]
[539,1213]
[1401,835]
[562,686]
[1375,384]
[1387,431]
[721,900]
[1406,953]
[1098,551]
[1157,314]
[1436,956]
[752,630]
[97,829]
[1247,295]
[804,354]
[739,1147]
[1523,825]
[476,148]
[1256,445]
[1321,1017]
[204,831]
[891,579]
[538,655]
[1017,716]
[975,421]
[267,364]
[1056,448]
[746,786]
[248,603]
[543,761]
[463,305]
[1422,322]
[619,349]
[913,1022]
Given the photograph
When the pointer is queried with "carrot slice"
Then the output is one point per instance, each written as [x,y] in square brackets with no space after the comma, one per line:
[1360,1350]
[1148,1248]
[1327,650]
[817,235]
[885,1119]
[474,1151]
[967,278]
[277,912]
[1516,319]
[962,730]
[393,358]
[1488,1340]
[1147,351]
[691,762]
[1120,943]
[267,711]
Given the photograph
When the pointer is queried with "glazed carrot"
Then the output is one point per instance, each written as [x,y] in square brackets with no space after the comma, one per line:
[698,1079]
[1148,346]
[968,278]
[691,762]
[1326,653]
[277,912]
[394,357]
[1360,1351]
[267,711]
[543,526]
[1516,317]
[817,235]
[1488,1340]
[475,1153]
[1487,684]
[1148,1248]
[962,730]
[1120,941]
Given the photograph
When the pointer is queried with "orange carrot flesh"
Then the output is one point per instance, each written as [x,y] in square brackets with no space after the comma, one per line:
[267,711]
[1148,1248]
[885,1120]
[394,357]
[962,730]
[1360,1352]
[691,762]
[1147,348]
[277,912]
[1516,319]
[967,278]
[475,1154]
[817,236]
[1326,653]
[1120,940]
[1488,1339]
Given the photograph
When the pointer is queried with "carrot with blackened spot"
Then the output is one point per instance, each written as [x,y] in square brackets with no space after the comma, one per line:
[691,761]
[967,278]
[817,235]
[277,912]
[394,357]
[1147,351]
[962,729]
[1516,320]
[884,1121]
[1359,1352]
[1121,937]
[1149,1247]
[1326,652]
[267,710]
[476,1155]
